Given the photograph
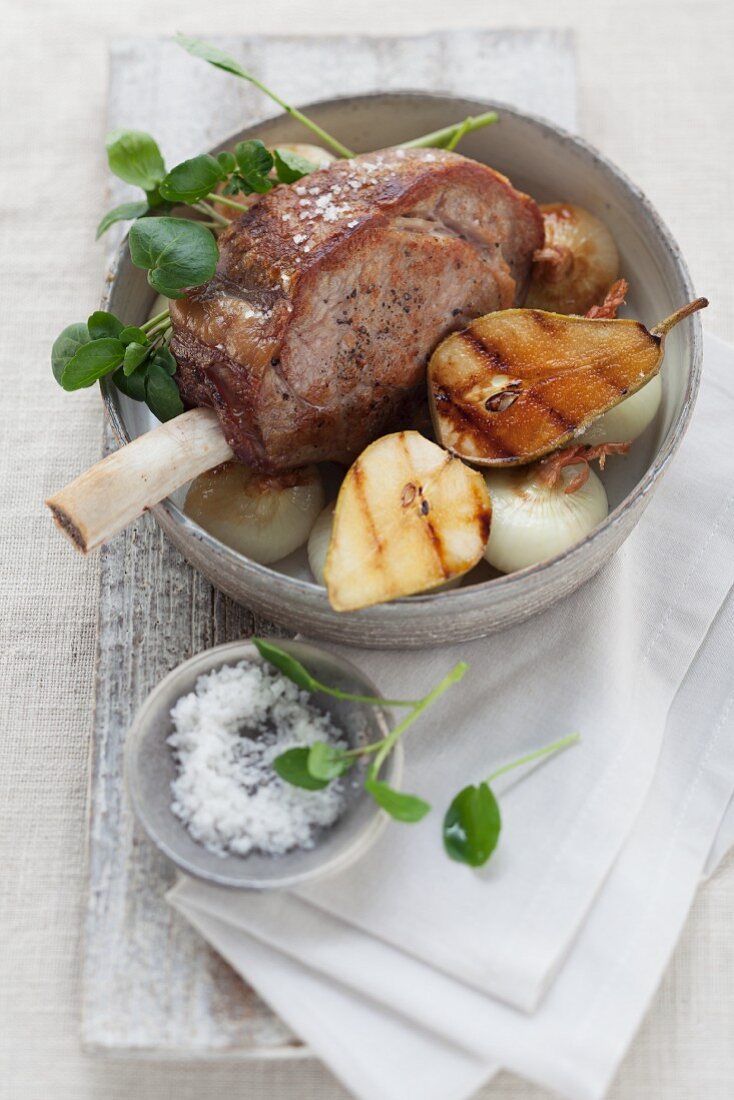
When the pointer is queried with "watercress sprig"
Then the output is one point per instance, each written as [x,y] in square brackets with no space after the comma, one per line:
[315,766]
[138,358]
[472,823]
[406,807]
[221,60]
[178,253]
[135,157]
[447,138]
[450,136]
[295,671]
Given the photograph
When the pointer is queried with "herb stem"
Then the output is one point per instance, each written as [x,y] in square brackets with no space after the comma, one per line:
[222,61]
[364,750]
[462,130]
[452,677]
[205,208]
[337,146]
[159,331]
[156,321]
[450,136]
[238,206]
[375,700]
[556,746]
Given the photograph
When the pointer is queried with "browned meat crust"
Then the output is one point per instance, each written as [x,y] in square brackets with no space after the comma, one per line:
[312,338]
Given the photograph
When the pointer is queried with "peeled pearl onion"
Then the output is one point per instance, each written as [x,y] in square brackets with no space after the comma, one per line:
[318,542]
[590,261]
[256,516]
[628,419]
[532,522]
[322,158]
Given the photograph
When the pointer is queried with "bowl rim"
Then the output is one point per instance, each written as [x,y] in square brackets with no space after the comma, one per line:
[502,586]
[238,651]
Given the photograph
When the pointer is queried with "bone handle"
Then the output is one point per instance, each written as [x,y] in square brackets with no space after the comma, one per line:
[114,492]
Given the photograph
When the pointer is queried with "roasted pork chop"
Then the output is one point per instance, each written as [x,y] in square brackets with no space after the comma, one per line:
[312,338]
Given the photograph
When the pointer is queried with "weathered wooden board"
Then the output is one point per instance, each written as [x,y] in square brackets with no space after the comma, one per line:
[150,984]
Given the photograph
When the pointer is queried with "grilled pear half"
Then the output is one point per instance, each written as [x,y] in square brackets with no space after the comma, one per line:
[520,383]
[408,518]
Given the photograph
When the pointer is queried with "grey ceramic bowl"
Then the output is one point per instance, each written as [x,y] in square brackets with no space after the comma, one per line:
[550,164]
[150,768]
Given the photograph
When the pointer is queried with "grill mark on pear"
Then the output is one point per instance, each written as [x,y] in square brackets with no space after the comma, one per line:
[358,477]
[551,412]
[485,352]
[544,321]
[467,421]
[424,515]
[437,546]
[600,374]
[484,517]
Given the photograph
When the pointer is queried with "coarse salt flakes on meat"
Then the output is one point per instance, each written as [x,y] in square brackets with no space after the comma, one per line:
[339,362]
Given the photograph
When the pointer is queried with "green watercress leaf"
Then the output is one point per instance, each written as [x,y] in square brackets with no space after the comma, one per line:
[215,57]
[135,354]
[91,362]
[126,212]
[290,167]
[295,671]
[292,766]
[66,345]
[401,806]
[227,162]
[236,185]
[135,157]
[157,281]
[132,386]
[192,180]
[102,324]
[472,825]
[286,664]
[156,202]
[254,162]
[161,393]
[132,335]
[327,761]
[165,358]
[176,252]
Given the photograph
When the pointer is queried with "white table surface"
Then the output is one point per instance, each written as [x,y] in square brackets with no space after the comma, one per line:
[657,95]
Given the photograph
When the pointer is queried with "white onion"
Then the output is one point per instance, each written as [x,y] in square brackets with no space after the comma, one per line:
[318,542]
[318,548]
[577,264]
[628,419]
[322,158]
[264,518]
[532,521]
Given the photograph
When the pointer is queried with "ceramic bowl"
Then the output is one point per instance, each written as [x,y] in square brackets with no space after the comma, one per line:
[549,164]
[150,768]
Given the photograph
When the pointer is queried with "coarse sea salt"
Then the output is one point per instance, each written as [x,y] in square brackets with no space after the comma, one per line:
[227,733]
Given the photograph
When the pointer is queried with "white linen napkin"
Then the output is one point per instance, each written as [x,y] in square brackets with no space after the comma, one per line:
[576,1040]
[429,939]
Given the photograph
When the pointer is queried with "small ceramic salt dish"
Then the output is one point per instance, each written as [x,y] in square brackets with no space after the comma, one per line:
[151,768]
